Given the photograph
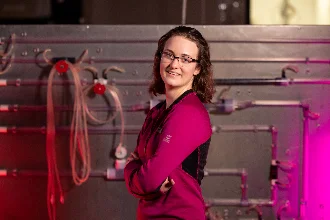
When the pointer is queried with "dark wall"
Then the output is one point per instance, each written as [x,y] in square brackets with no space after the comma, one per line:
[209,12]
[166,12]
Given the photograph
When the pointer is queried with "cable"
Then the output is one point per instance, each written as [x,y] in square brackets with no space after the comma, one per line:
[9,51]
[44,56]
[100,86]
[53,175]
[121,151]
[79,140]
[79,143]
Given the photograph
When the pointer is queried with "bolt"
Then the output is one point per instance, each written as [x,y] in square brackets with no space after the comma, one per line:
[222,6]
[236,4]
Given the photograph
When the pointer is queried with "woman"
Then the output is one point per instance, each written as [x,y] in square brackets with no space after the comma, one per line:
[166,168]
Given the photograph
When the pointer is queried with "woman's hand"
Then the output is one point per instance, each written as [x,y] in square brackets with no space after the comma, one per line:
[132,157]
[167,185]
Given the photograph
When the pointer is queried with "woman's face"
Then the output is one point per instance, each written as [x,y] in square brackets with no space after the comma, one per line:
[179,73]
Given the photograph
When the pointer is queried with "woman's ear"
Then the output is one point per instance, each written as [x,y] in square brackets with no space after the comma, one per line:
[197,70]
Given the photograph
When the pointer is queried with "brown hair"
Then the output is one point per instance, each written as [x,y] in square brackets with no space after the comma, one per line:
[203,82]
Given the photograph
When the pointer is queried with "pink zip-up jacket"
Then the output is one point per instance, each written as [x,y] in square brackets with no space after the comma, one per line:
[173,143]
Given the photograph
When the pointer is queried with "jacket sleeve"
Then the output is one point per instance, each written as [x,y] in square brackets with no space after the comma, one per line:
[185,129]
[130,171]
[133,166]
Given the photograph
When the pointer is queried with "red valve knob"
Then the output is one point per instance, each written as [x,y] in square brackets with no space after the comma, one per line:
[99,88]
[61,66]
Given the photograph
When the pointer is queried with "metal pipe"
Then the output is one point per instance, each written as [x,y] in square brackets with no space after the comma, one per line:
[224,172]
[66,130]
[93,60]
[310,82]
[273,192]
[275,81]
[109,174]
[305,165]
[241,128]
[274,133]
[238,202]
[251,81]
[276,103]
[242,172]
[231,172]
[129,129]
[244,186]
[144,82]
[184,12]
[230,105]
[273,183]
[90,60]
[146,106]
[272,60]
[27,40]
[20,82]
[42,108]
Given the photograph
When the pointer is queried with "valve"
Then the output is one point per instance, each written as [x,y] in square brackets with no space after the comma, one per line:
[99,86]
[61,66]
[120,154]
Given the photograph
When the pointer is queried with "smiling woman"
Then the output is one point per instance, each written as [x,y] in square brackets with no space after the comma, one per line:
[203,81]
[178,72]
[167,167]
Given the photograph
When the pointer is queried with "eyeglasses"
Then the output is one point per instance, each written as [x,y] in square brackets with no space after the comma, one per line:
[168,57]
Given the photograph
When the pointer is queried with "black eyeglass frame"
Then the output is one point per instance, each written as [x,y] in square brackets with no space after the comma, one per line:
[174,57]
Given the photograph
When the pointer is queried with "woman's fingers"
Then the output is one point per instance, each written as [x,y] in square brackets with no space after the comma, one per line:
[170,183]
[167,185]
[135,156]
[129,159]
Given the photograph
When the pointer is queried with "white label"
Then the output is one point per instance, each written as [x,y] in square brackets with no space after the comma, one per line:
[3,82]
[4,108]
[3,130]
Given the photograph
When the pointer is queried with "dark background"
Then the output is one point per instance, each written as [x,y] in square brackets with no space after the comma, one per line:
[208,12]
